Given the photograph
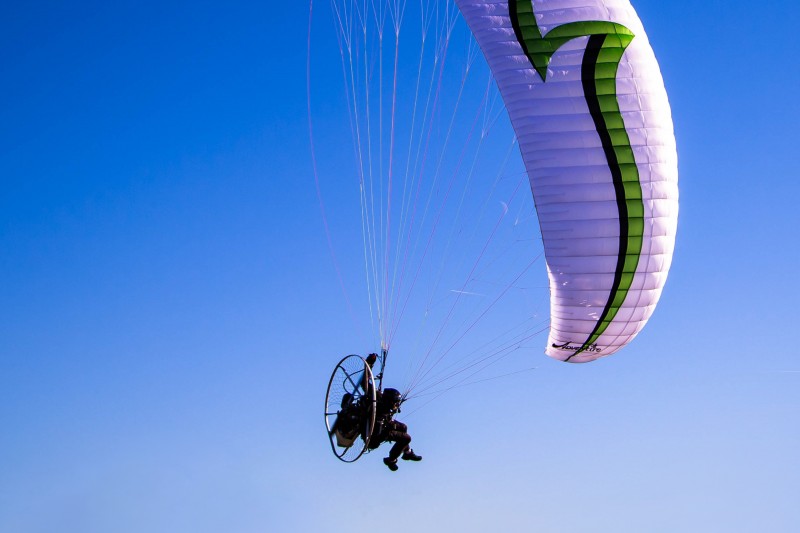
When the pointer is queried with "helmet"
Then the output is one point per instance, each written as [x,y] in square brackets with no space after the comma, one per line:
[371,358]
[391,397]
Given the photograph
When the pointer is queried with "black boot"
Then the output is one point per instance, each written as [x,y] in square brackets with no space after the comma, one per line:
[391,463]
[409,455]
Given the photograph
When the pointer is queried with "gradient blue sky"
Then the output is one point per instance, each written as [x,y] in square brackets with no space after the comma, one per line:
[170,313]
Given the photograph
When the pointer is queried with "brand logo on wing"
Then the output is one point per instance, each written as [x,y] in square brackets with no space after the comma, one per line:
[572,347]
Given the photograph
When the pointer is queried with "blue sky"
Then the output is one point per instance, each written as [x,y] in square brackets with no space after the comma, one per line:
[171,314]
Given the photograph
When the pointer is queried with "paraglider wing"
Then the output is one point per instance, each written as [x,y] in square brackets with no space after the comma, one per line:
[587,101]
